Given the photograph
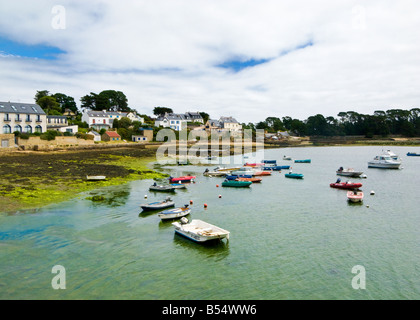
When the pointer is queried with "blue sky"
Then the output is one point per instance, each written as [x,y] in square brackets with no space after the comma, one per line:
[41,51]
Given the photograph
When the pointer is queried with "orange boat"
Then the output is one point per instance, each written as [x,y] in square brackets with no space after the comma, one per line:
[262,173]
[253,180]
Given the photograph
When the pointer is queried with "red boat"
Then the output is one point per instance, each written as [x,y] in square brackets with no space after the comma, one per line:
[254,180]
[182,179]
[345,185]
[253,164]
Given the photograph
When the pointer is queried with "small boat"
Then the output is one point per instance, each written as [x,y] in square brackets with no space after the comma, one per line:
[294,175]
[175,213]
[234,177]
[303,161]
[199,231]
[220,169]
[269,161]
[413,154]
[349,172]
[355,196]
[95,178]
[209,173]
[242,171]
[162,188]
[167,203]
[182,179]
[253,164]
[262,173]
[253,180]
[178,186]
[384,162]
[276,168]
[345,185]
[287,158]
[236,184]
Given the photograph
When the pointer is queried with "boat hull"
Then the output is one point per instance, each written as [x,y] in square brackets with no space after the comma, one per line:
[343,185]
[353,174]
[384,165]
[355,197]
[157,206]
[200,231]
[236,184]
[413,154]
[294,175]
[162,188]
[174,213]
[303,161]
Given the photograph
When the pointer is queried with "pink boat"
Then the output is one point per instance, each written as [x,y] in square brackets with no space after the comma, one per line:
[182,179]
[355,196]
[253,164]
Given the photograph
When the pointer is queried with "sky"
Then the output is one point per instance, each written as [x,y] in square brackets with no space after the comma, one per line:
[250,59]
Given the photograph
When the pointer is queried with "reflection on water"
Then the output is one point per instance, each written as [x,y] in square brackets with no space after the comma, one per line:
[218,248]
[112,197]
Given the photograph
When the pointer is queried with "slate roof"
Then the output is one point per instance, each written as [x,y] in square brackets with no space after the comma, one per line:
[16,107]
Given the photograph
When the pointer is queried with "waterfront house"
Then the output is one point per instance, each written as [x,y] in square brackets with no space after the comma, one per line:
[111,136]
[97,119]
[147,136]
[174,121]
[230,124]
[194,117]
[22,117]
[96,135]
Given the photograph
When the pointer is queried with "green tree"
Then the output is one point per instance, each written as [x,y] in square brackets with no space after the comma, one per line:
[160,111]
[66,102]
[40,94]
[50,105]
[205,116]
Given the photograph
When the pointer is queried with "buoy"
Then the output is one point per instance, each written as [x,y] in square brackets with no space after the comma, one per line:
[217,186]
[191,202]
[372,192]
[145,196]
[205,205]
[367,206]
[220,196]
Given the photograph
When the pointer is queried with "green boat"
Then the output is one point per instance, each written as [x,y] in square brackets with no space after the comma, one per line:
[294,175]
[236,184]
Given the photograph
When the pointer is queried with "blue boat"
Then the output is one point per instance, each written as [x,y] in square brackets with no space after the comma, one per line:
[275,168]
[413,154]
[269,161]
[234,177]
[294,175]
[303,161]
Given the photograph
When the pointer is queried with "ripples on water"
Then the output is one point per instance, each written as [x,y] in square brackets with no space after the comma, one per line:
[290,239]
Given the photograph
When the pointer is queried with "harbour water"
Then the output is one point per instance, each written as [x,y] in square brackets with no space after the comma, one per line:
[290,239]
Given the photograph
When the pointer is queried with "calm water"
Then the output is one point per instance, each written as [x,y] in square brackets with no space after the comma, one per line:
[290,239]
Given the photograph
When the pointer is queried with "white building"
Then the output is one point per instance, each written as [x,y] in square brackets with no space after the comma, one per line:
[22,117]
[174,121]
[230,123]
[104,119]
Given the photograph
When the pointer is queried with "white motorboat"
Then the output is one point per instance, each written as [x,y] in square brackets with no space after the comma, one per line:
[349,172]
[95,178]
[392,155]
[168,202]
[385,162]
[215,173]
[243,171]
[175,213]
[287,158]
[199,231]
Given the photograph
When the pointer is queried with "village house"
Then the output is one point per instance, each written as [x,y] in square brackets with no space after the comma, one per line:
[194,117]
[174,121]
[96,135]
[60,123]
[230,124]
[104,119]
[22,117]
[147,136]
[111,136]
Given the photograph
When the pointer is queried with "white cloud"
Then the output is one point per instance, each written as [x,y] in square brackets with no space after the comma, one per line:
[365,55]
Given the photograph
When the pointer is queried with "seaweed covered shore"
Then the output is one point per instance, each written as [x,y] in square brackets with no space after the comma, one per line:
[29,180]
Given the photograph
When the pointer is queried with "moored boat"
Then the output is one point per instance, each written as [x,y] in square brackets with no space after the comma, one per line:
[167,203]
[384,162]
[275,168]
[199,231]
[287,158]
[253,180]
[345,185]
[262,173]
[95,178]
[175,213]
[221,169]
[253,164]
[209,173]
[234,177]
[182,179]
[269,161]
[293,175]
[242,171]
[413,154]
[303,161]
[355,196]
[349,172]
[162,188]
[236,184]
[178,186]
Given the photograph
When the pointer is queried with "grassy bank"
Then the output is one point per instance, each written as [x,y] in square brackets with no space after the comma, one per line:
[35,179]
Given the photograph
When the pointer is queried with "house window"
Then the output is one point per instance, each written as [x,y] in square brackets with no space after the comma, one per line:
[28,117]
[6,117]
[177,122]
[38,129]
[93,121]
[104,121]
[28,129]
[17,128]
[38,118]
[7,129]
[17,117]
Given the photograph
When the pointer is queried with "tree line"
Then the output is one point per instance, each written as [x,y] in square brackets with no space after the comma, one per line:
[382,123]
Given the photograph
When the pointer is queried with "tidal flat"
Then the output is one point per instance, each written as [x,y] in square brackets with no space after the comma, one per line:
[30,180]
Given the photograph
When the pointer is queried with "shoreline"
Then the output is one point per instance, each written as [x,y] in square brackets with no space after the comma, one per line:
[30,180]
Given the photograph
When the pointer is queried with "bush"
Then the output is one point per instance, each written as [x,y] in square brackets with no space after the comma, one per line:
[50,135]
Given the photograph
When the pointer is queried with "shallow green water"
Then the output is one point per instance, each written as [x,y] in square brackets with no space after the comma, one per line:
[290,239]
